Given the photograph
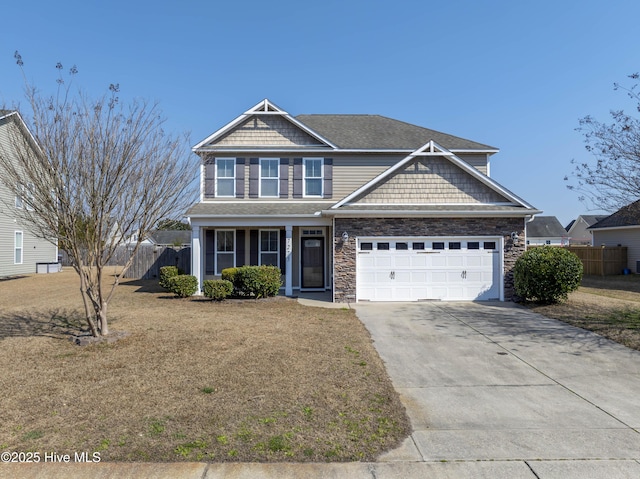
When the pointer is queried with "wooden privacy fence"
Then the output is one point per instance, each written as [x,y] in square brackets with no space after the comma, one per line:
[601,260]
[150,258]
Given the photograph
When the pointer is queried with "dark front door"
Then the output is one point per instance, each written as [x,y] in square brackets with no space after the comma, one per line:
[313,262]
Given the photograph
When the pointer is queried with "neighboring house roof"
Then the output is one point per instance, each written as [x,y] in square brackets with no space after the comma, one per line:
[545,227]
[626,216]
[170,237]
[375,132]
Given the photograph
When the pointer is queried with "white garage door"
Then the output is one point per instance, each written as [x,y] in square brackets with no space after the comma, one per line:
[434,268]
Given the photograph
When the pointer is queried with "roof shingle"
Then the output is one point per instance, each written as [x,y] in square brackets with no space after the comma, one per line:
[375,132]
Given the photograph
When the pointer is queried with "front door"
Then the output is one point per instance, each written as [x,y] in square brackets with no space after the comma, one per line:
[312,262]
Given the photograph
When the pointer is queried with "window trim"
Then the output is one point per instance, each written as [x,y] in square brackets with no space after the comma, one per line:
[305,177]
[17,248]
[216,252]
[277,251]
[232,178]
[272,178]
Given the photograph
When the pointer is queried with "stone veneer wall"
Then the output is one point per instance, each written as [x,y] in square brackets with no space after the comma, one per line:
[345,253]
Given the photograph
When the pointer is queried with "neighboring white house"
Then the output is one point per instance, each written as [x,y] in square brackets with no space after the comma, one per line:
[20,250]
[622,228]
[546,230]
[577,230]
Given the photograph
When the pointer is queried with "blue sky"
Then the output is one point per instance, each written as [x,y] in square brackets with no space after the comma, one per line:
[515,75]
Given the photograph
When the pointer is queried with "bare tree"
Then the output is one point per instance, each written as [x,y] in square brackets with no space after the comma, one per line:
[613,180]
[93,172]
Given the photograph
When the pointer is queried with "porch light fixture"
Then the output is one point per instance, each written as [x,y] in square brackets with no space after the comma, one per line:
[515,238]
[345,237]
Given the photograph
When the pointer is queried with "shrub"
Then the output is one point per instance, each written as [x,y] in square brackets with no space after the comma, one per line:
[166,273]
[229,274]
[183,285]
[217,289]
[547,274]
[257,281]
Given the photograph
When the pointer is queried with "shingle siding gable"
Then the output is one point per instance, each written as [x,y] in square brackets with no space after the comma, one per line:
[431,180]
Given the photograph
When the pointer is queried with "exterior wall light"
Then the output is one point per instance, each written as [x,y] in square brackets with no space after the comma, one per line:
[345,237]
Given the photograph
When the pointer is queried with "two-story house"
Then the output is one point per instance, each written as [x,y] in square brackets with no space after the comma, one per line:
[20,250]
[368,207]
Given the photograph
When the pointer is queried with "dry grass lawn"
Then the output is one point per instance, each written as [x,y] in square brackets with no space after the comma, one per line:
[267,380]
[609,306]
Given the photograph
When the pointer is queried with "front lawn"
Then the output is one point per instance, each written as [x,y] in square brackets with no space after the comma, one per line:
[267,380]
[607,305]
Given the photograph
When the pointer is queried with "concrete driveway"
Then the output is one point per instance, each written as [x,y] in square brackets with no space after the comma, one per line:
[525,395]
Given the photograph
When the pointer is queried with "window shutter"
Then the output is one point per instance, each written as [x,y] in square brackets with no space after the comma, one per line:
[210,252]
[210,179]
[283,251]
[328,178]
[240,177]
[240,249]
[253,247]
[254,177]
[297,177]
[284,177]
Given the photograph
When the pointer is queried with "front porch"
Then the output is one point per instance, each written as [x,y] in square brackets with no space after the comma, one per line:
[303,253]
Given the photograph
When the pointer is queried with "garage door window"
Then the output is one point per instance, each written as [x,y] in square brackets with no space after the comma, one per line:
[383,246]
[455,245]
[438,245]
[417,245]
[402,246]
[489,245]
[473,245]
[366,246]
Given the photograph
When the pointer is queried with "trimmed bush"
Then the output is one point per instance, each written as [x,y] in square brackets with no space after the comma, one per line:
[166,273]
[547,274]
[257,281]
[229,274]
[217,289]
[183,285]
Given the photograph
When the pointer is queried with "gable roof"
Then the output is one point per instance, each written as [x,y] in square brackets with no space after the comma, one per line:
[626,216]
[545,227]
[265,108]
[377,132]
[433,149]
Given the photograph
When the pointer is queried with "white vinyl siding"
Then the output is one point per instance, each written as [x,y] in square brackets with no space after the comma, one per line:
[269,177]
[313,177]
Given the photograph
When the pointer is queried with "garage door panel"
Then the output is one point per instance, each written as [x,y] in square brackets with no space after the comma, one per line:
[411,275]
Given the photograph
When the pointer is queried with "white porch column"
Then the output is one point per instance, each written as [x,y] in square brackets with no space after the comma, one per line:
[288,278]
[196,255]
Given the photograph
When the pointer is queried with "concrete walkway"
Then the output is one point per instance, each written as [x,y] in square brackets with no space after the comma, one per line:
[492,391]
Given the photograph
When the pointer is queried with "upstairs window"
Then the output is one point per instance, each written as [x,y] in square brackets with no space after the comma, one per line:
[225,177]
[269,178]
[313,168]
